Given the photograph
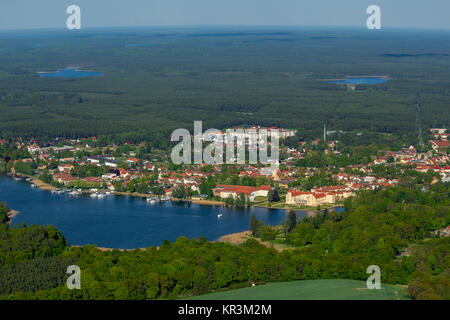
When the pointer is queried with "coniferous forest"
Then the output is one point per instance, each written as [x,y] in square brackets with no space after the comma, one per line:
[156,80]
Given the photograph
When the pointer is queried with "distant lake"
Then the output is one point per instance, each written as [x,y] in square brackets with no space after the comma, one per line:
[371,80]
[126,222]
[70,73]
[133,45]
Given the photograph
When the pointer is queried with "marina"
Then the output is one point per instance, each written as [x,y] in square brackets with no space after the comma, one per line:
[126,222]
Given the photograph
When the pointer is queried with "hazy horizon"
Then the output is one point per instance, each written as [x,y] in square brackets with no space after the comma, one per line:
[227,27]
[51,14]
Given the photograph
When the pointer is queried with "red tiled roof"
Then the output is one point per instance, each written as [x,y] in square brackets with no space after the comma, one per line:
[93,179]
[441,143]
[241,189]
[331,188]
[64,177]
[295,193]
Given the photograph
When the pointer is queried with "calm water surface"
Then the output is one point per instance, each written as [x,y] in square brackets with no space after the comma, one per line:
[70,73]
[126,222]
[371,80]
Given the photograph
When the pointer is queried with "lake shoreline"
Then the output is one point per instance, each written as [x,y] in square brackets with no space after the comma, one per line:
[239,238]
[43,186]
[110,249]
[48,187]
[37,182]
[311,210]
[76,73]
[209,202]
[127,222]
[235,238]
[11,214]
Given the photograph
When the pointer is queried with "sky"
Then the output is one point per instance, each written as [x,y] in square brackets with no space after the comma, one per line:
[34,14]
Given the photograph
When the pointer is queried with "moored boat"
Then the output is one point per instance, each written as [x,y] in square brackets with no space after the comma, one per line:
[153,200]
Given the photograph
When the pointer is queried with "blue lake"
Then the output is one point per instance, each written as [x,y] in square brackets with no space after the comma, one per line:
[126,222]
[136,45]
[371,80]
[70,73]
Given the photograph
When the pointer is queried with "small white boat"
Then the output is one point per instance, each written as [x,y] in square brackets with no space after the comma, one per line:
[17,179]
[219,216]
[153,200]
[93,195]
[74,193]
[100,196]
[33,185]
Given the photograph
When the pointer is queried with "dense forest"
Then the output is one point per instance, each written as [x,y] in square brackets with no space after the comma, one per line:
[375,229]
[156,80]
[3,213]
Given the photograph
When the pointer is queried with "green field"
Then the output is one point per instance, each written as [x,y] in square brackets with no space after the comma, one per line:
[310,290]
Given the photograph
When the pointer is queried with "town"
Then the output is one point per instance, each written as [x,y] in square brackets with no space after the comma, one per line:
[83,165]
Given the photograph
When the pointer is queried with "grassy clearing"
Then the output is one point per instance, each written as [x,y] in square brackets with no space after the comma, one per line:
[241,237]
